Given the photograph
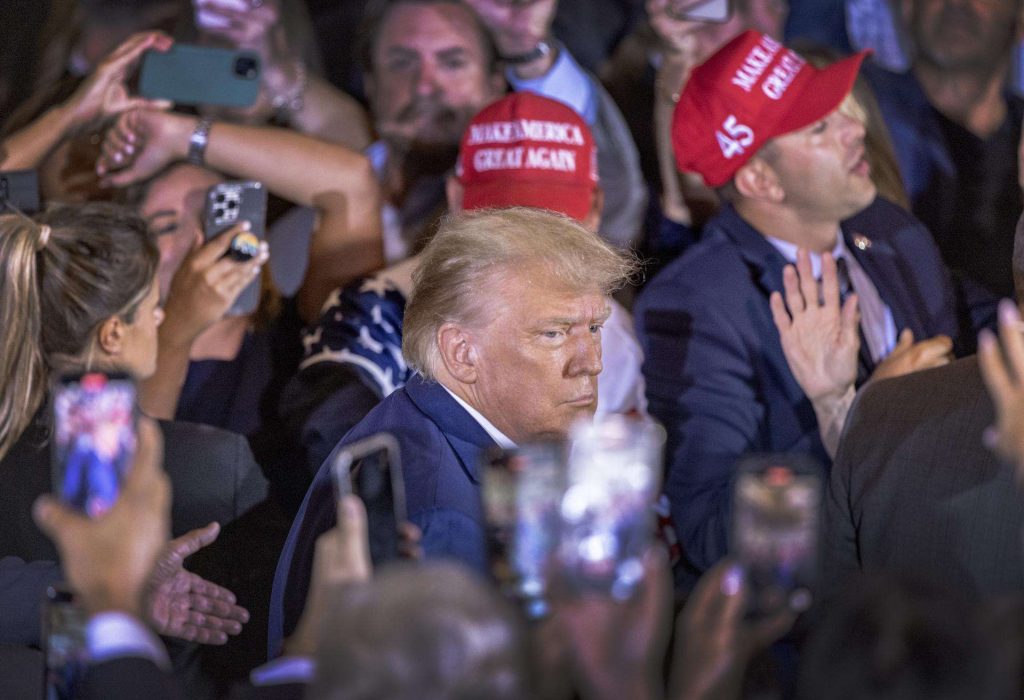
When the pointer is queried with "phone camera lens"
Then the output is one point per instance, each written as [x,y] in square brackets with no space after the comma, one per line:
[247,67]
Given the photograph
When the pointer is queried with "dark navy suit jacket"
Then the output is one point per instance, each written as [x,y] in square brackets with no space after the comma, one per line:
[715,371]
[441,446]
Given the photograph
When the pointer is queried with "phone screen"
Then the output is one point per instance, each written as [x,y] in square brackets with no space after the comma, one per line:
[65,649]
[521,492]
[700,10]
[371,469]
[777,505]
[94,439]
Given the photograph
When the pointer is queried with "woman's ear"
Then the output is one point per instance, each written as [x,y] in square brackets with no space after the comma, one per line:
[110,337]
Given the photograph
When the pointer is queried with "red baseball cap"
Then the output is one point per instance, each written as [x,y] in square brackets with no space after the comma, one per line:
[750,91]
[531,151]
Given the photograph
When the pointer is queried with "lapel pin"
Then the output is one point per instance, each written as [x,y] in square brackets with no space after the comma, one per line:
[861,241]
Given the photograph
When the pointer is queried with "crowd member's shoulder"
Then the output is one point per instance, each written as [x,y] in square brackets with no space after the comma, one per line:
[213,474]
[883,219]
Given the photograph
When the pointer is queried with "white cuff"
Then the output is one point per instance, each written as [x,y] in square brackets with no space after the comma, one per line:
[112,635]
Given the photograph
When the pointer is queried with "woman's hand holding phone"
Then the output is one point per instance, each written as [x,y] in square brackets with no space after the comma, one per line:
[206,285]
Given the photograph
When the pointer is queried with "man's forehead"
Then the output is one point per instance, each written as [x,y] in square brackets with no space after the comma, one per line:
[428,25]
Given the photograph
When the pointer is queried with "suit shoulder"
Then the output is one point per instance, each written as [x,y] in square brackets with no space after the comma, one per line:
[711,265]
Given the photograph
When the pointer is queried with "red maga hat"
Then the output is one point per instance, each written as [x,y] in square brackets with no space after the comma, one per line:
[531,151]
[752,90]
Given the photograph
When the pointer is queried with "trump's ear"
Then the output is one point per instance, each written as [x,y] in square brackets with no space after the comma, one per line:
[458,354]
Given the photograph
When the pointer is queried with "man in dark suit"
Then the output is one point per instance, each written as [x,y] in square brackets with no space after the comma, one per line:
[785,149]
[914,492]
[504,329]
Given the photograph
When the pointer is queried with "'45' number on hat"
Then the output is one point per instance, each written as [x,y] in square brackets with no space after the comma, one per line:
[736,139]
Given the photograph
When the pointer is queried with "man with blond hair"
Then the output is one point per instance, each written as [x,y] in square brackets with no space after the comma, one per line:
[504,331]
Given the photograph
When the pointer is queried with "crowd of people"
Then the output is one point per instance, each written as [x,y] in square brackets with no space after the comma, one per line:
[779,241]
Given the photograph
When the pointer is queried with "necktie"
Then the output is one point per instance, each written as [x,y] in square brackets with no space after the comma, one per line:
[865,364]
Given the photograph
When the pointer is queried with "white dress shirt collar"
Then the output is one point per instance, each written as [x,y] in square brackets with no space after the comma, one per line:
[496,435]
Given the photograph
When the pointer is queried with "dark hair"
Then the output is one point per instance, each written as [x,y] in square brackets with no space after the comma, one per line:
[377,11]
[62,276]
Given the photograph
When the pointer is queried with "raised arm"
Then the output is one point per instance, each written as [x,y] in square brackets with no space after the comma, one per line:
[339,182]
[820,341]
[309,103]
[102,95]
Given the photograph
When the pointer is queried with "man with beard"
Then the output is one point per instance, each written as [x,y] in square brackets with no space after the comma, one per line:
[430,65]
[956,130]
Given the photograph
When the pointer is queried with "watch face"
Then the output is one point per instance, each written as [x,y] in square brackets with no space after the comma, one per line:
[197,142]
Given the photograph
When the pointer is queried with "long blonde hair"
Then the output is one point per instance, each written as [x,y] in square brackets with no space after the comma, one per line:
[61,276]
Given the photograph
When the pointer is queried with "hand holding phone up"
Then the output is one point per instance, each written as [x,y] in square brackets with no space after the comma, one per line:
[207,284]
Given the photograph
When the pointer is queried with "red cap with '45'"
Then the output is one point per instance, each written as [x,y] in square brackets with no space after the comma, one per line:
[752,90]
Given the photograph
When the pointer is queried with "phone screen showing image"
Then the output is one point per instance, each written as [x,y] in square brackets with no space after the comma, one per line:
[94,439]
[776,518]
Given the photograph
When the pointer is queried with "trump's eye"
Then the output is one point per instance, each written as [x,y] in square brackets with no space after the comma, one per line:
[596,327]
[552,334]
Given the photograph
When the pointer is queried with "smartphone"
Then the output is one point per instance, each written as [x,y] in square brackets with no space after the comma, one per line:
[700,10]
[228,203]
[200,75]
[372,469]
[94,439]
[19,191]
[607,513]
[775,530]
[65,650]
[521,491]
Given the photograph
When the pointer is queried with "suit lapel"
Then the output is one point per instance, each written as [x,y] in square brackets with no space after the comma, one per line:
[881,263]
[466,437]
[765,263]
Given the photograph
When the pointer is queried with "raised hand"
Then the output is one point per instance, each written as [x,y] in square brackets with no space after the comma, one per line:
[104,93]
[109,560]
[178,603]
[1003,372]
[206,285]
[714,642]
[909,356]
[342,557]
[517,27]
[142,143]
[820,339]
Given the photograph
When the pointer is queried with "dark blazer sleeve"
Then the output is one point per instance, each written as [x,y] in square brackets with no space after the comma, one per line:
[129,678]
[213,475]
[22,587]
[840,552]
[701,385]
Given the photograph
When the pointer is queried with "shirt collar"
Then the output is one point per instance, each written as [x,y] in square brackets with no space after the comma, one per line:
[499,437]
[788,251]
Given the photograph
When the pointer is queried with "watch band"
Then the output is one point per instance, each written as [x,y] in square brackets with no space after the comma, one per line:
[197,142]
[542,49]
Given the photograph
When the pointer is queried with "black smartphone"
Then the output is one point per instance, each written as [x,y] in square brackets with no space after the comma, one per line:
[228,203]
[201,75]
[700,10]
[65,650]
[372,469]
[521,491]
[19,191]
[94,439]
[775,530]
